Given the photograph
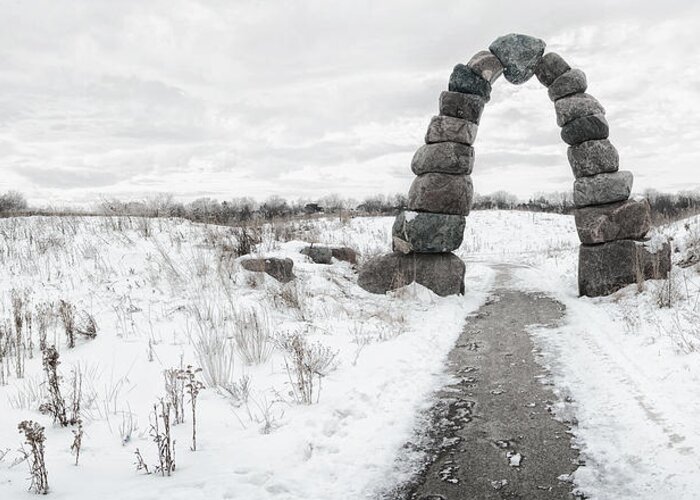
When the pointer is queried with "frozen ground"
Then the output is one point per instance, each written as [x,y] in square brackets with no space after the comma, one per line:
[157,289]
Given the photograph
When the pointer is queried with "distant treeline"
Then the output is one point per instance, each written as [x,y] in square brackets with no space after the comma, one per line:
[665,206]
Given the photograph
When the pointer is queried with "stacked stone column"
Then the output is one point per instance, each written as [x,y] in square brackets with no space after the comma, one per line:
[611,227]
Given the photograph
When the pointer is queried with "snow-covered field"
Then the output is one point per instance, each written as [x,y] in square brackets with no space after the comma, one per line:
[167,293]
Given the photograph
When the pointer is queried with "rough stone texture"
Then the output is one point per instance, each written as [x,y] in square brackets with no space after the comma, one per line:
[465,80]
[320,255]
[443,157]
[280,269]
[427,233]
[443,273]
[465,106]
[449,129]
[486,65]
[593,157]
[551,67]
[441,193]
[576,106]
[602,188]
[604,269]
[346,254]
[571,82]
[629,219]
[586,128]
[519,55]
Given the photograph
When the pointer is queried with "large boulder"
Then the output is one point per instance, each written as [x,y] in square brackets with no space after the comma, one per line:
[576,106]
[424,232]
[441,193]
[467,81]
[450,129]
[319,255]
[586,128]
[604,269]
[443,273]
[551,67]
[603,188]
[486,65]
[444,158]
[593,158]
[623,220]
[280,269]
[572,82]
[519,55]
[465,106]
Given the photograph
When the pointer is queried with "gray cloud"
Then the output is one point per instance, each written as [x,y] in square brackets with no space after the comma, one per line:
[308,97]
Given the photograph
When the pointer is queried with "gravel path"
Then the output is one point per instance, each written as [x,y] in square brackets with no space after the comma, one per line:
[492,433]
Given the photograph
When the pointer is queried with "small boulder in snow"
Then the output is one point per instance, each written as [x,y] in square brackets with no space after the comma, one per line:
[320,255]
[280,269]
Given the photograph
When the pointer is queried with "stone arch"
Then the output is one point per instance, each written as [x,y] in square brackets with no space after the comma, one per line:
[610,225]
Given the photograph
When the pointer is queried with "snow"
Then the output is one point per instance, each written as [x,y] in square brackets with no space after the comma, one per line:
[143,280]
[630,367]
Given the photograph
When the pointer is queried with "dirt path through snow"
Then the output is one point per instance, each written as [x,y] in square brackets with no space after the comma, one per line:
[493,435]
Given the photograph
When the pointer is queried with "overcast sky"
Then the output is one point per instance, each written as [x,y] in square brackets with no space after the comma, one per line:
[305,98]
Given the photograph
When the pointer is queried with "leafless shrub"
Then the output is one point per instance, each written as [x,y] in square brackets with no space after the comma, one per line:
[175,393]
[305,361]
[77,441]
[18,305]
[56,405]
[193,386]
[35,438]
[67,313]
[667,292]
[160,433]
[43,315]
[239,391]
[127,427]
[85,324]
[214,350]
[252,333]
[141,464]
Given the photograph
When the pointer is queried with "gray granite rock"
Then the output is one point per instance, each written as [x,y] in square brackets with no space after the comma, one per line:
[280,269]
[444,158]
[551,67]
[450,129]
[427,233]
[519,55]
[586,128]
[602,188]
[571,82]
[441,193]
[465,106]
[467,81]
[592,158]
[576,106]
[346,254]
[604,269]
[319,255]
[443,273]
[629,219]
[486,65]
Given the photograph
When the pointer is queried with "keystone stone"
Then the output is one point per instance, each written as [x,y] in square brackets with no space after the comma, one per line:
[519,55]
